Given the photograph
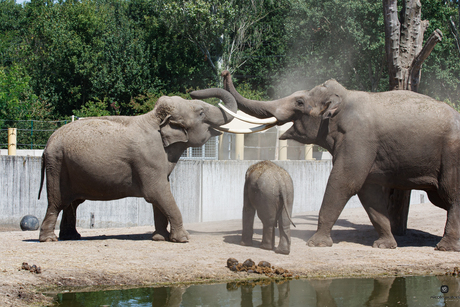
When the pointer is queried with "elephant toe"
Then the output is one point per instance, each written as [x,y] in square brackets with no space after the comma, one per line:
[266,246]
[246,243]
[49,239]
[282,251]
[447,247]
[327,242]
[160,236]
[180,240]
[385,244]
[179,236]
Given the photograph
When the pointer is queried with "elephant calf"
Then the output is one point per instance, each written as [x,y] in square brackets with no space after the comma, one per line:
[269,190]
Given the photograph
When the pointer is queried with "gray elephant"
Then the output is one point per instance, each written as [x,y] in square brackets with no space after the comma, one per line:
[113,157]
[379,141]
[268,189]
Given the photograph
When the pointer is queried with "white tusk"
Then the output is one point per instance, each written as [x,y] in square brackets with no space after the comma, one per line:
[245,130]
[271,120]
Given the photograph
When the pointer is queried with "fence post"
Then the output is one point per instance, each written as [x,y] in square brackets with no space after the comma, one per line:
[31,134]
[12,141]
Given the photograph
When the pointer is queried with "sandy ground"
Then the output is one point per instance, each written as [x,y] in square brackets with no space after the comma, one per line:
[121,257]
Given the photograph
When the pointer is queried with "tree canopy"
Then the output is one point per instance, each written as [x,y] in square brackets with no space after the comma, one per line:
[100,57]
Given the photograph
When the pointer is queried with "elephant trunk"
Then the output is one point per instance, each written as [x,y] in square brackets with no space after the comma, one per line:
[260,109]
[217,117]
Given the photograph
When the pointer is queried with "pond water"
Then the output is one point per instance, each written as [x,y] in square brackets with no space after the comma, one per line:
[388,291]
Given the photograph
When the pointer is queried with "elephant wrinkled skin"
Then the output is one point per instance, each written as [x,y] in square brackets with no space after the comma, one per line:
[268,189]
[113,157]
[379,141]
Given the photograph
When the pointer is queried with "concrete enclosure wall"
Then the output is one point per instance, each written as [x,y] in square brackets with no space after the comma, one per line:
[204,191]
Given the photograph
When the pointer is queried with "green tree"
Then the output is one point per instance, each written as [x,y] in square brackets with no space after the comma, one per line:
[441,70]
[88,50]
[17,100]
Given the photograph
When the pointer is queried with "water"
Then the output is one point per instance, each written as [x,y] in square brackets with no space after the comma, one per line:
[388,291]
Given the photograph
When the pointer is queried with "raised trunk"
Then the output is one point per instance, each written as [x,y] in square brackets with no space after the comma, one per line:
[260,109]
[217,117]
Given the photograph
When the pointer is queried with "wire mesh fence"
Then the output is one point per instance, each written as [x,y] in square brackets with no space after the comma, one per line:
[31,134]
[34,134]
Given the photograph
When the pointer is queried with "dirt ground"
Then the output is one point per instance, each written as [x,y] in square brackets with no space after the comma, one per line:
[122,257]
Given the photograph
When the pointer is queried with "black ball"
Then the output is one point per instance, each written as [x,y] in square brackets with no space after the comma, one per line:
[29,222]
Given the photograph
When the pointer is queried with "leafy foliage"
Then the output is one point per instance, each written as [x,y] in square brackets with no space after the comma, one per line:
[100,57]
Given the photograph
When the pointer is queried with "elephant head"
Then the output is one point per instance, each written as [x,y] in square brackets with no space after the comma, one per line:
[192,122]
[308,110]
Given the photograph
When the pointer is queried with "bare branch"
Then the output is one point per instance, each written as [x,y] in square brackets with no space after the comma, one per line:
[416,65]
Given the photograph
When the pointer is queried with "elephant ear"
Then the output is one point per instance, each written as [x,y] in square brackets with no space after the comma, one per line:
[172,132]
[330,106]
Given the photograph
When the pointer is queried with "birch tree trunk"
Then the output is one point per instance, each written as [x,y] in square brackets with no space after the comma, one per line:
[405,55]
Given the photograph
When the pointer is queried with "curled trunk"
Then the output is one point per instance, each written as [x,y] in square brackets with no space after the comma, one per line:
[260,109]
[217,117]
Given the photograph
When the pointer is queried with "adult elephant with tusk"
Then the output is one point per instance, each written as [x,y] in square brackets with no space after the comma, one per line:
[113,157]
[398,139]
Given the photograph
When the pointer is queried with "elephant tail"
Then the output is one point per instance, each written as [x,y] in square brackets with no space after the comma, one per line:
[283,201]
[42,175]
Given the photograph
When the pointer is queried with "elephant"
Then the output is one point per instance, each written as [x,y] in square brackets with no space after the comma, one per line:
[112,157]
[378,141]
[268,189]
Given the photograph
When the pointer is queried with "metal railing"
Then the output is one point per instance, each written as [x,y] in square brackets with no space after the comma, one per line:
[34,134]
[31,134]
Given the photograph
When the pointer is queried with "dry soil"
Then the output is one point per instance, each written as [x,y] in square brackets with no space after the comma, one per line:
[124,257]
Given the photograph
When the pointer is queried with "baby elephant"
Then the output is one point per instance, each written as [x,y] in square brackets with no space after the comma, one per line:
[269,190]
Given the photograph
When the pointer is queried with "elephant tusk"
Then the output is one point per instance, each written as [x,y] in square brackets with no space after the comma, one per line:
[245,130]
[271,120]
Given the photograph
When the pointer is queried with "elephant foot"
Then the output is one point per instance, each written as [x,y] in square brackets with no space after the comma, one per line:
[447,245]
[71,234]
[48,238]
[160,236]
[266,246]
[246,242]
[385,243]
[283,251]
[320,241]
[180,236]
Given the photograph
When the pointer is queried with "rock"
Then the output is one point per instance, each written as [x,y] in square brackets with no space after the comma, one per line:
[31,268]
[29,222]
[231,262]
[264,264]
[249,263]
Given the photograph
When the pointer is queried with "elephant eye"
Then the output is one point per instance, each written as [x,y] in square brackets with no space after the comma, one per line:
[299,103]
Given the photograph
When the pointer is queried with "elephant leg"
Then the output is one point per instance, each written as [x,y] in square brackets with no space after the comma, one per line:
[249,213]
[450,240]
[284,226]
[49,223]
[161,225]
[345,180]
[162,197]
[375,202]
[68,229]
[268,235]
[54,207]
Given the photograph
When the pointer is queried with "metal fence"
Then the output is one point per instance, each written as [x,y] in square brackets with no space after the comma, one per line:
[31,134]
[209,151]
[34,134]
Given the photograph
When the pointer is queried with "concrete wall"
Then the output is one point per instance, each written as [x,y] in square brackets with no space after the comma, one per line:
[24,152]
[204,191]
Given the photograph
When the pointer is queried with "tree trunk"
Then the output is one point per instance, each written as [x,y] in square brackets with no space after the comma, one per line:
[405,54]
